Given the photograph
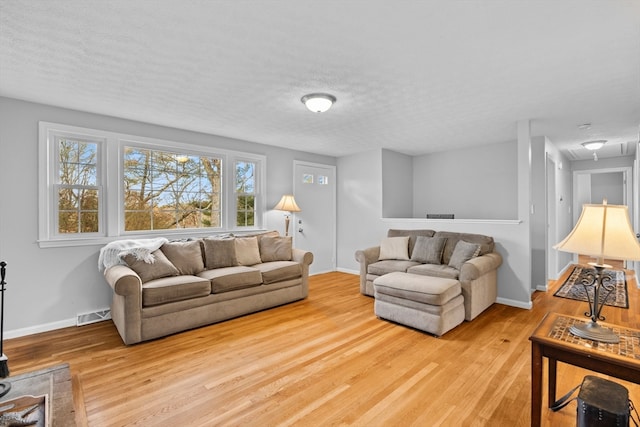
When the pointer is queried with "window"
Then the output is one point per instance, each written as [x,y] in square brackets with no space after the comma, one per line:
[245,193]
[165,190]
[77,188]
[150,187]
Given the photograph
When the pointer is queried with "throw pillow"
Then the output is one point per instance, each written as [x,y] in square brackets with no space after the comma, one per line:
[462,253]
[275,248]
[428,250]
[394,248]
[186,256]
[219,252]
[158,268]
[247,251]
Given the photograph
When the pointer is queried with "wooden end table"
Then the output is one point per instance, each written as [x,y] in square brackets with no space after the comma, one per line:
[552,340]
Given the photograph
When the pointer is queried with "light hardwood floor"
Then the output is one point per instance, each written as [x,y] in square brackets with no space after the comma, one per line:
[323,361]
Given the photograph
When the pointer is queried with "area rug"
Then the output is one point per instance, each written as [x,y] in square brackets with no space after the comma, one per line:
[573,288]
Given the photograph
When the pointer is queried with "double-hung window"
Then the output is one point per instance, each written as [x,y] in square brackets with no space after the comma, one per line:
[96,186]
[245,192]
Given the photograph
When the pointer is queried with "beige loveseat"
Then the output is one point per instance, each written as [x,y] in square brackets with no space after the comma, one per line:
[162,287]
[477,274]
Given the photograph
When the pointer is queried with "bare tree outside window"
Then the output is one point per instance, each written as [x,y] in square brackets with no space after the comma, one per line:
[245,194]
[78,186]
[165,190]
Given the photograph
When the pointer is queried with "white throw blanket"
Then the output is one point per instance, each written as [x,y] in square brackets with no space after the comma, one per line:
[110,254]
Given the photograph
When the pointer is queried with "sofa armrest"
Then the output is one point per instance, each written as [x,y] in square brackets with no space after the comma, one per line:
[479,266]
[301,256]
[123,280]
[366,257]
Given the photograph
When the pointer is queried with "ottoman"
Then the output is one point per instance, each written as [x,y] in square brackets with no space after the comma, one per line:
[431,304]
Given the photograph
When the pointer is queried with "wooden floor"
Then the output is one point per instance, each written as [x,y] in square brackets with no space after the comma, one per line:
[324,361]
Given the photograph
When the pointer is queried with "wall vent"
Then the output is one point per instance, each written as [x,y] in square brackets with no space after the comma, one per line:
[93,317]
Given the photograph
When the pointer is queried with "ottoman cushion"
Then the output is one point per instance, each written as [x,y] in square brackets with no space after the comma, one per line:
[424,289]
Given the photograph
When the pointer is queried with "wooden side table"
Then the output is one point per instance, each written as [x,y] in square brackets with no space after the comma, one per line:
[552,340]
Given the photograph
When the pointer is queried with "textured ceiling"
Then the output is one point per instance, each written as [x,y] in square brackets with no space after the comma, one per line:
[411,76]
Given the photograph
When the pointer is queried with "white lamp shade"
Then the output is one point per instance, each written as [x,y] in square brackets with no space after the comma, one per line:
[603,231]
[287,203]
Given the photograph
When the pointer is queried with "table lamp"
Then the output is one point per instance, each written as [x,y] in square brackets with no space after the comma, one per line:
[603,231]
[288,204]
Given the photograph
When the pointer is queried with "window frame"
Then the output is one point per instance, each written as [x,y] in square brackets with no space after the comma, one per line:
[111,210]
[255,194]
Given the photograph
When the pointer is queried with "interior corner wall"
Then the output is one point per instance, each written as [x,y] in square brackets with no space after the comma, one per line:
[360,225]
[397,185]
[538,213]
[564,203]
[65,281]
[359,196]
[471,183]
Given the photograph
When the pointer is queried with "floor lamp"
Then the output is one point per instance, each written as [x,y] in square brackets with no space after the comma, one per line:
[603,231]
[287,204]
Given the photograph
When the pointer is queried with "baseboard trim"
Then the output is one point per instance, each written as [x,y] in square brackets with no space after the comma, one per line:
[349,271]
[17,333]
[514,303]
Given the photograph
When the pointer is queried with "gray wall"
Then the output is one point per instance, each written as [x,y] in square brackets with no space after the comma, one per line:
[47,288]
[397,185]
[474,183]
[607,185]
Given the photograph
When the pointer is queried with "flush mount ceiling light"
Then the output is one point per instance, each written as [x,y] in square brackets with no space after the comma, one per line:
[318,102]
[594,145]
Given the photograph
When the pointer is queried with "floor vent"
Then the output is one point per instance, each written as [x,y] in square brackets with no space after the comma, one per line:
[93,317]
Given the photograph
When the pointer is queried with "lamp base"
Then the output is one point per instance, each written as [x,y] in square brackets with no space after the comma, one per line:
[593,331]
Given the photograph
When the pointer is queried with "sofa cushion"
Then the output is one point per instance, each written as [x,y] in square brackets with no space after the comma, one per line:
[428,250]
[435,270]
[230,278]
[388,266]
[277,271]
[219,252]
[176,288]
[394,248]
[413,235]
[275,248]
[186,256]
[160,267]
[486,243]
[424,289]
[462,253]
[247,251]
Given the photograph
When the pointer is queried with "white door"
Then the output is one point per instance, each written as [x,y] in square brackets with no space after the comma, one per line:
[314,227]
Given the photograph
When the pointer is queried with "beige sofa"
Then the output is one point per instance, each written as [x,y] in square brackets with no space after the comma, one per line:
[162,287]
[477,275]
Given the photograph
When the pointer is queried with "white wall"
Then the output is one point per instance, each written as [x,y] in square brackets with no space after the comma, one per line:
[397,185]
[473,183]
[47,288]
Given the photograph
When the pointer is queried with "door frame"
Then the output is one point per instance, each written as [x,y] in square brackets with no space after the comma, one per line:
[334,227]
[629,199]
[552,218]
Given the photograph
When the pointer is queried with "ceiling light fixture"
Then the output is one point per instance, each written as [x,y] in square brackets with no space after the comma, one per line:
[318,102]
[594,145]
